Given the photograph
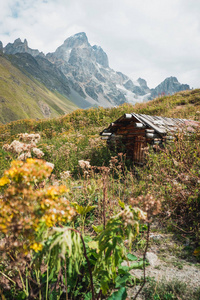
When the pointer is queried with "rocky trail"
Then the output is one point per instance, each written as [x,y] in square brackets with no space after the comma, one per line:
[170,259]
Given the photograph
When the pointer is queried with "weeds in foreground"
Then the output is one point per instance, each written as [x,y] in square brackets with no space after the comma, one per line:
[51,248]
[167,290]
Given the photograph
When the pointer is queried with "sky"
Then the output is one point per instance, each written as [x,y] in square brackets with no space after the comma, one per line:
[151,39]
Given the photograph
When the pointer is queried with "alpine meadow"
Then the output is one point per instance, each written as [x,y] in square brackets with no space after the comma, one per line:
[78,219]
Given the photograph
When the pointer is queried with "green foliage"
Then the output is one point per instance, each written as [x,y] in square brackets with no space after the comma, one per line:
[83,211]
[100,257]
[167,290]
[56,260]
[4,161]
[119,295]
[173,176]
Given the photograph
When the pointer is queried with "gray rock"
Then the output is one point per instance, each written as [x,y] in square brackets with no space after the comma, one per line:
[152,258]
[156,237]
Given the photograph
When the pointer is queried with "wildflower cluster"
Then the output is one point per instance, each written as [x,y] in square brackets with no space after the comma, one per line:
[84,164]
[25,145]
[149,204]
[65,174]
[113,162]
[130,216]
[30,138]
[24,208]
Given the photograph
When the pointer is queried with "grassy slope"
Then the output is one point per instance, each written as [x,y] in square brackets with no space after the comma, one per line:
[19,96]
[75,136]
[184,104]
[181,105]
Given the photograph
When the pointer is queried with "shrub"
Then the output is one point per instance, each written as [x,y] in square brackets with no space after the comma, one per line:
[44,252]
[172,174]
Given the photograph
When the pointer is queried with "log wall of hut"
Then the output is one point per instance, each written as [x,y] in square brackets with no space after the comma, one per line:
[133,138]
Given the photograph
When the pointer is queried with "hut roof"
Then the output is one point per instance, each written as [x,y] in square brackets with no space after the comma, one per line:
[161,125]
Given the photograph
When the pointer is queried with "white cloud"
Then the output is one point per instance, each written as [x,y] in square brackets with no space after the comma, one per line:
[150,39]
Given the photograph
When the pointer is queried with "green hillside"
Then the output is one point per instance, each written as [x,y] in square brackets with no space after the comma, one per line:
[24,98]
[79,130]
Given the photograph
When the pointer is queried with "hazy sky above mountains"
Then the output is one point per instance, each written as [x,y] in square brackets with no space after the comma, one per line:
[152,39]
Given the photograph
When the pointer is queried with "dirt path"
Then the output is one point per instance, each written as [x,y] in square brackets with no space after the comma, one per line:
[170,260]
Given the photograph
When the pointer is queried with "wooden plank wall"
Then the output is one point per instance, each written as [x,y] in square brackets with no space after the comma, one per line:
[134,140]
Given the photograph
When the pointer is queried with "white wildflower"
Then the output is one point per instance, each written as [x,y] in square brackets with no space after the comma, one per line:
[24,155]
[84,164]
[50,165]
[38,152]
[32,137]
[65,174]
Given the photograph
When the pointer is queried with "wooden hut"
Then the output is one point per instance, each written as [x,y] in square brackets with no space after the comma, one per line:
[136,131]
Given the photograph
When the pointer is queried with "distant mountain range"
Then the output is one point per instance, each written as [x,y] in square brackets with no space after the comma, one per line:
[77,73]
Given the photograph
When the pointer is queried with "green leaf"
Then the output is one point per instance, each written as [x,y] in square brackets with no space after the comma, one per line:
[123,271]
[98,229]
[87,239]
[117,255]
[21,295]
[121,281]
[137,265]
[122,204]
[89,208]
[52,274]
[88,296]
[105,281]
[119,295]
[83,210]
[131,257]
[108,252]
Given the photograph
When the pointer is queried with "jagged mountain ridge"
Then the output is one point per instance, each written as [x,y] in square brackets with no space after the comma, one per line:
[168,87]
[87,69]
[81,71]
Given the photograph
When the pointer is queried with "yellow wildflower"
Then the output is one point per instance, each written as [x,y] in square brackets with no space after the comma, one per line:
[31,160]
[12,172]
[4,180]
[48,220]
[36,247]
[42,206]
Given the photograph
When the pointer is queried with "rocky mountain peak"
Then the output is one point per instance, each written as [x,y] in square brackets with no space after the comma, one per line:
[17,42]
[76,40]
[142,82]
[67,51]
[172,79]
[169,86]
[87,69]
[20,47]
[101,56]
